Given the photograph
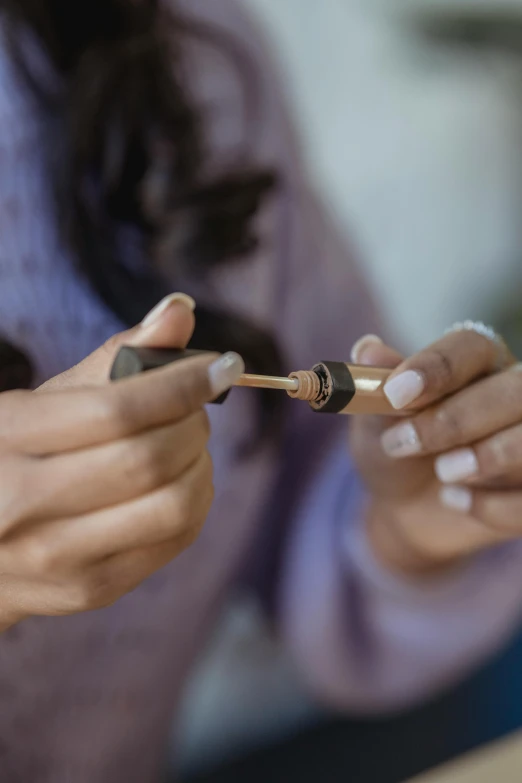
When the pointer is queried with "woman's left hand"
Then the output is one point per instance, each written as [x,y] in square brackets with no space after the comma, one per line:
[446,480]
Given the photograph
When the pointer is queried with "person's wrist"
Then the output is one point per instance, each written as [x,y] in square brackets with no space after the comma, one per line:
[395,551]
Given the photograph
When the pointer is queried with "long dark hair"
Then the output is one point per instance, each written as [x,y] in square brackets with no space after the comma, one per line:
[135,154]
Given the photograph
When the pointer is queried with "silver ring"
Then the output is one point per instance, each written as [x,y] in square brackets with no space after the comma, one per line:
[489,333]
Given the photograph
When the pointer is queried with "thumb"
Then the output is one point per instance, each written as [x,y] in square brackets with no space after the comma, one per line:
[371,351]
[178,390]
[169,325]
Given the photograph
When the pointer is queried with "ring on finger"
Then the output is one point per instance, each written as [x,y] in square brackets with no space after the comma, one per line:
[503,352]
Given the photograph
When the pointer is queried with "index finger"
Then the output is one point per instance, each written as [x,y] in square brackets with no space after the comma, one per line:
[79,418]
[443,368]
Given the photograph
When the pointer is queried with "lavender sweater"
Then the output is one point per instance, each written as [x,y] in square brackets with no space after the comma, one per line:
[90,698]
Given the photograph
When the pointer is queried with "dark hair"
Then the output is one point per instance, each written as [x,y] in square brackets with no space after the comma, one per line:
[135,154]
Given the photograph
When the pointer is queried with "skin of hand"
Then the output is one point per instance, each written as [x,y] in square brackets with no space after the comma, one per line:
[103,484]
[445,480]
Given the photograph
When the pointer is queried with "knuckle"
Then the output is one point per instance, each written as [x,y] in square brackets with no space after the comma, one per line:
[39,555]
[142,466]
[441,370]
[105,408]
[496,517]
[192,531]
[501,452]
[114,411]
[77,598]
[18,490]
[195,429]
[446,428]
[151,466]
[177,513]
[498,527]
[184,505]
[92,591]
[167,517]
[490,464]
[14,405]
[187,392]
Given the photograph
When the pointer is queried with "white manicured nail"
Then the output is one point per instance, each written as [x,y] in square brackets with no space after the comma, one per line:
[164,305]
[456,466]
[456,499]
[401,441]
[225,371]
[360,346]
[404,389]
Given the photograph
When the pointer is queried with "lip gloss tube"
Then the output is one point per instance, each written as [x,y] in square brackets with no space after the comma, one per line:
[338,387]
[329,387]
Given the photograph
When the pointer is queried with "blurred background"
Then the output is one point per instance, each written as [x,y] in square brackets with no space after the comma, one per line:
[411,121]
[411,117]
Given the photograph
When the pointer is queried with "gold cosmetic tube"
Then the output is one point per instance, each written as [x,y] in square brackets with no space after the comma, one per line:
[329,387]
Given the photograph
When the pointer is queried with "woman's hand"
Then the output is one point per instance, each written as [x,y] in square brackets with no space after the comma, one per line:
[102,485]
[445,481]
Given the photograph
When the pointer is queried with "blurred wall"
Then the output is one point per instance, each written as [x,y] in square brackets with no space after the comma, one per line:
[417,149]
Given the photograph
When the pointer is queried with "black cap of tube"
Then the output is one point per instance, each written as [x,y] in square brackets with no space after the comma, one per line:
[133,361]
[338,380]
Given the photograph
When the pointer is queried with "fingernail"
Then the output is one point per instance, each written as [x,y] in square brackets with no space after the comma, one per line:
[361,345]
[164,305]
[456,498]
[225,371]
[456,466]
[404,389]
[401,441]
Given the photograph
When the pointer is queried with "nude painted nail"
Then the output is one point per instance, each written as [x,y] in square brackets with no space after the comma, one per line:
[360,346]
[404,389]
[456,466]
[164,305]
[401,441]
[456,499]
[224,372]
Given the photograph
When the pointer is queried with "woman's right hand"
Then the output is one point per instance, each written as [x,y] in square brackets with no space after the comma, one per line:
[100,486]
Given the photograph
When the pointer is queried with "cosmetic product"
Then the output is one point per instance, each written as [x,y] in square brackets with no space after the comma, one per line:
[329,387]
